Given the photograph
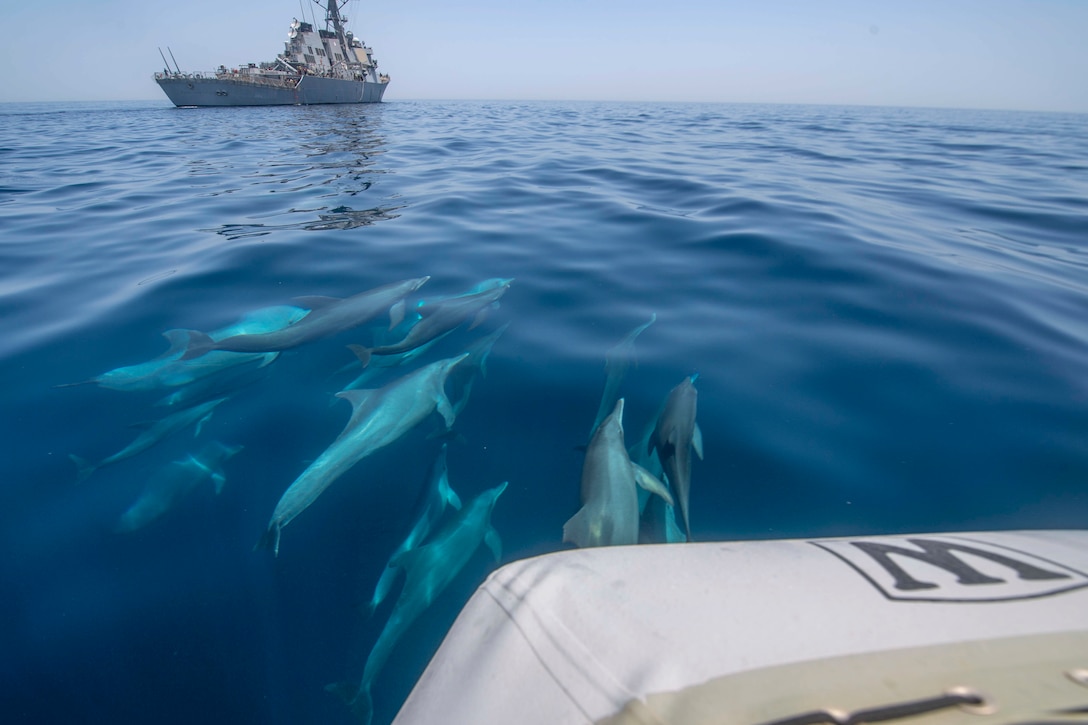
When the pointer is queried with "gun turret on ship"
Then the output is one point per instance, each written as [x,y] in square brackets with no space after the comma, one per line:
[316,66]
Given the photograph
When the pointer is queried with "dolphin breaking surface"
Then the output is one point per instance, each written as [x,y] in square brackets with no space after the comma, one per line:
[630,491]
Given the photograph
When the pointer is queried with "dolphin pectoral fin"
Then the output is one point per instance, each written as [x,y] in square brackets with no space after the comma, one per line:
[268,359]
[491,538]
[362,353]
[697,441]
[344,690]
[396,314]
[579,530]
[408,560]
[651,483]
[200,424]
[480,317]
[449,436]
[86,468]
[381,589]
[72,385]
[673,533]
[199,344]
[315,302]
[445,409]
[218,479]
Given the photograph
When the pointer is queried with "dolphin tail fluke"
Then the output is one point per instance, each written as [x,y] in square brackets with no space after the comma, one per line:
[358,700]
[199,344]
[270,539]
[449,495]
[86,468]
[362,353]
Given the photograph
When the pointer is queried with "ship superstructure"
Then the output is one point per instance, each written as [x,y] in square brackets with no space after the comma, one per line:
[329,65]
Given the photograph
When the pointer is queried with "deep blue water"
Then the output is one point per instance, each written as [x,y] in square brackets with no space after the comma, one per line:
[887,310]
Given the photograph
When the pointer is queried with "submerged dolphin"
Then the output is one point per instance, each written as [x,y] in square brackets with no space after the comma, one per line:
[430,505]
[609,513]
[174,481]
[657,524]
[156,432]
[674,437]
[379,417]
[441,316]
[328,316]
[169,370]
[223,383]
[385,362]
[474,366]
[429,569]
[616,362]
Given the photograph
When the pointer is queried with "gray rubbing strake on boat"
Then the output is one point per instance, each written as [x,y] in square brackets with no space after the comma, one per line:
[317,66]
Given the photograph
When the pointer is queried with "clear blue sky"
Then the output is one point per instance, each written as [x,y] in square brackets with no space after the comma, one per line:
[1013,54]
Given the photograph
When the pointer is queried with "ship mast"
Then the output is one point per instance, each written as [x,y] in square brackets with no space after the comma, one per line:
[332,17]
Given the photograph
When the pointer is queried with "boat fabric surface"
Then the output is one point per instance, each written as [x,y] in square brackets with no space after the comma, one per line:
[792,631]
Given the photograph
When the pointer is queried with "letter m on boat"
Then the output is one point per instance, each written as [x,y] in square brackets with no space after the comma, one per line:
[953,568]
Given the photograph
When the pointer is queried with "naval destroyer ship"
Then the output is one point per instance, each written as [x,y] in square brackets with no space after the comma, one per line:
[316,66]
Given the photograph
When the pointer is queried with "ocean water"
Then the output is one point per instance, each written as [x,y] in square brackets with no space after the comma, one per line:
[887,310]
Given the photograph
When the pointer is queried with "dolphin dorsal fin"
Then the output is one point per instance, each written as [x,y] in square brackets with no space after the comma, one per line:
[178,339]
[697,441]
[315,302]
[491,538]
[356,397]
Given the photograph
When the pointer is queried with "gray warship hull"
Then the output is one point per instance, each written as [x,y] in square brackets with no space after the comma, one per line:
[329,65]
[194,90]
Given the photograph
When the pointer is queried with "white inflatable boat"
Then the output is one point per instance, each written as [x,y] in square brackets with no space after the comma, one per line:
[928,628]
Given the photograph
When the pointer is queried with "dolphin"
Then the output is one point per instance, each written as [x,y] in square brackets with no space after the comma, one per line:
[174,481]
[609,513]
[429,569]
[441,316]
[674,437]
[157,431]
[225,382]
[475,366]
[169,370]
[328,316]
[430,505]
[658,524]
[386,362]
[379,417]
[616,362]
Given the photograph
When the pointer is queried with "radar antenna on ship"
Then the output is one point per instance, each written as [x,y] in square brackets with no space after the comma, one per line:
[336,21]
